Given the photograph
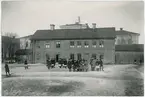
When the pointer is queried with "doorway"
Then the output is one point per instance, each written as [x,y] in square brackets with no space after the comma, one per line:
[57,57]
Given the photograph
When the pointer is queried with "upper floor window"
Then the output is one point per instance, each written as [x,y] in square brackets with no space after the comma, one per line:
[79,44]
[47,45]
[72,44]
[58,44]
[101,43]
[86,43]
[94,44]
[37,44]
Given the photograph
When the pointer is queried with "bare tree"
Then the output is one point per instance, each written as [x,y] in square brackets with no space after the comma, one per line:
[10,44]
[11,34]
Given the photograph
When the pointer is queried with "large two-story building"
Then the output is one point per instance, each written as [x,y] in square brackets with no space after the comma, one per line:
[74,43]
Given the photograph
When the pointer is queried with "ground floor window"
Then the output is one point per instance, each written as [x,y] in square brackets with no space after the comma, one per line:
[79,56]
[101,56]
[71,56]
[94,56]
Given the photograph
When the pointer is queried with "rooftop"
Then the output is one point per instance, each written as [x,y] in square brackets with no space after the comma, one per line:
[132,47]
[74,34]
[124,32]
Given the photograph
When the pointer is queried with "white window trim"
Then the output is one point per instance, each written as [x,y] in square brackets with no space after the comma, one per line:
[79,46]
[94,46]
[86,46]
[72,46]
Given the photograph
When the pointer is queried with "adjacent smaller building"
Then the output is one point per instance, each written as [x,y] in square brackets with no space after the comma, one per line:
[127,54]
[25,49]
[126,37]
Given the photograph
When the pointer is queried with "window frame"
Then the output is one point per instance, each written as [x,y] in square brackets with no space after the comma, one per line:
[58,44]
[101,43]
[86,44]
[79,44]
[72,42]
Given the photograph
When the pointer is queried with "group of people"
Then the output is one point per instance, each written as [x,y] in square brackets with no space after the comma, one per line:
[76,65]
[95,63]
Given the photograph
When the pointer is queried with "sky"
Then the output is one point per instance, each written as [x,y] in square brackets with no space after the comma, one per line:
[25,17]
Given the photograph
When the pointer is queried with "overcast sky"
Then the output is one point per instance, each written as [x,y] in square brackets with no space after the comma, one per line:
[24,18]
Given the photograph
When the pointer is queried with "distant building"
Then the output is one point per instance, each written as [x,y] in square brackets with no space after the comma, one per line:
[74,44]
[25,49]
[25,42]
[126,37]
[126,54]
[76,25]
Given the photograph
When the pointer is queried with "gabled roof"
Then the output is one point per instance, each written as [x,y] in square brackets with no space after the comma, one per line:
[131,47]
[124,32]
[74,34]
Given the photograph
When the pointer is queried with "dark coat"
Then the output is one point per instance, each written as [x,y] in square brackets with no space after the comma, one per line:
[69,64]
[7,68]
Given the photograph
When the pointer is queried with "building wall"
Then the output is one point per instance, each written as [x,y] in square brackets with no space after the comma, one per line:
[74,26]
[40,51]
[126,57]
[23,42]
[127,39]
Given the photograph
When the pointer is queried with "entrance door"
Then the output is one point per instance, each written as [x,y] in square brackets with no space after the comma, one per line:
[57,57]
[86,56]
[79,56]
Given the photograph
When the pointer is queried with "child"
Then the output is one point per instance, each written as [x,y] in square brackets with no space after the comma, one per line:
[7,68]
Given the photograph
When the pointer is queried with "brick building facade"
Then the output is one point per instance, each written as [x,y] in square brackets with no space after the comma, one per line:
[74,43]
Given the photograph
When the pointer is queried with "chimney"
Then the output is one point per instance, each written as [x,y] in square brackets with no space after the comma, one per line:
[121,29]
[94,25]
[52,26]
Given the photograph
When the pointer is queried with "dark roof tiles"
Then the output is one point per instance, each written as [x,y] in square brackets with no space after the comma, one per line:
[131,47]
[74,34]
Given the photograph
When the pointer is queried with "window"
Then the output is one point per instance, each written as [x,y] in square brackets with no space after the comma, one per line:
[72,56]
[37,44]
[94,56]
[47,45]
[94,44]
[101,43]
[79,56]
[38,56]
[79,44]
[72,44]
[86,43]
[58,44]
[101,56]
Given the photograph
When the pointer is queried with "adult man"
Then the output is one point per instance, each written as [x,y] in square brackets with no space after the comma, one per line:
[97,65]
[48,64]
[69,65]
[101,65]
[93,64]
